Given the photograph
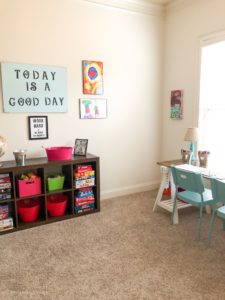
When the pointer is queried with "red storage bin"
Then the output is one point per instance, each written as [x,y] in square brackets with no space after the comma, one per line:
[29,187]
[28,209]
[56,205]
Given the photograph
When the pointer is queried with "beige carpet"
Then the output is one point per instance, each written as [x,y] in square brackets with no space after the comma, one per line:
[125,252]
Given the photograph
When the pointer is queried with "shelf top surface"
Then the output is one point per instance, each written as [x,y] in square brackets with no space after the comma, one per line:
[44,162]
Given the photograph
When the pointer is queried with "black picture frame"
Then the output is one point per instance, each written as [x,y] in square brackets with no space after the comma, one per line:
[38,127]
[80,147]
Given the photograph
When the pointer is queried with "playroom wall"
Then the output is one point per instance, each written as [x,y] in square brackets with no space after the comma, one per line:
[188,23]
[65,32]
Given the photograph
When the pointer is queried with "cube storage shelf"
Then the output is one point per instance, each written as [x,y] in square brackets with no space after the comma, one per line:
[43,168]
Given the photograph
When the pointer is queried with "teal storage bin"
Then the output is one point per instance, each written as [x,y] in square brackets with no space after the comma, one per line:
[55,183]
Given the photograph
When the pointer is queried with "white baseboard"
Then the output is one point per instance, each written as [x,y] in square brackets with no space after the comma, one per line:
[129,190]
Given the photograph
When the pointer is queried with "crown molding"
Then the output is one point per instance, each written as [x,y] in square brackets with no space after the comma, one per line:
[140,6]
[178,5]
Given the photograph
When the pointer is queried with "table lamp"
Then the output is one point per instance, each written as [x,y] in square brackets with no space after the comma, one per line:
[192,137]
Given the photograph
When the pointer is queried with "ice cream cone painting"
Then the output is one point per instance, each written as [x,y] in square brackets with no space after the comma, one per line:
[92,77]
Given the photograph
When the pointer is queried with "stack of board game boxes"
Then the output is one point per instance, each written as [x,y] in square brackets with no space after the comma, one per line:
[84,180]
[6,222]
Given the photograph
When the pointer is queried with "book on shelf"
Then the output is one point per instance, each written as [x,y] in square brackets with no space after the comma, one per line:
[6,224]
[84,183]
[83,203]
[92,205]
[83,168]
[84,175]
[4,211]
[84,210]
[5,195]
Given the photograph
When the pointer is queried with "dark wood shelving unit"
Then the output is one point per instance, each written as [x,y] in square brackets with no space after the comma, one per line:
[43,168]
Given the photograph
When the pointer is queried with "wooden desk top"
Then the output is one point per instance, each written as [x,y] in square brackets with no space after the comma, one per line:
[169,163]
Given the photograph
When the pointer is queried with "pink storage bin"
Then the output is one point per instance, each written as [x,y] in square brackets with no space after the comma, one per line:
[29,187]
[59,153]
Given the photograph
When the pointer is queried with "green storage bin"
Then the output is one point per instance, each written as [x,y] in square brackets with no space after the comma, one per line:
[55,183]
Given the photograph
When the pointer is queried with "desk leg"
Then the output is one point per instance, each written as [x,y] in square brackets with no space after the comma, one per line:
[208,209]
[161,189]
[166,204]
[172,187]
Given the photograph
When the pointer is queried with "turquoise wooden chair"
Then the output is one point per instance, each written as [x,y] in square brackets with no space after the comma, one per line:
[218,192]
[193,192]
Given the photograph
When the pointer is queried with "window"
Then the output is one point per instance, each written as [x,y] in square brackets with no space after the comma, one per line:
[212,104]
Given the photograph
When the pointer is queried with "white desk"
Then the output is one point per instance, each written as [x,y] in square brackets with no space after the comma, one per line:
[167,177]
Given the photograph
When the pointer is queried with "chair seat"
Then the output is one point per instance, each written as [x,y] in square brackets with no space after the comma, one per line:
[221,212]
[195,198]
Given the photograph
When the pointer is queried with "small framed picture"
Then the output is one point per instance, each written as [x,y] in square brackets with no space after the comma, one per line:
[38,127]
[80,147]
[93,108]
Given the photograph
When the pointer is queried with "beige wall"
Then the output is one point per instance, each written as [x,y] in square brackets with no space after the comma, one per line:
[186,25]
[64,32]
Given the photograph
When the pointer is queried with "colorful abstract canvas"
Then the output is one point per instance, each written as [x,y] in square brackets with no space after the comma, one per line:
[176,104]
[92,77]
[93,108]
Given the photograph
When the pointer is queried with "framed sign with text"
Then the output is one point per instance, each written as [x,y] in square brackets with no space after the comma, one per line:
[33,88]
[38,127]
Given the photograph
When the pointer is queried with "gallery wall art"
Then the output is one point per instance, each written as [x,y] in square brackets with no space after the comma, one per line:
[176,105]
[93,108]
[38,127]
[33,88]
[92,77]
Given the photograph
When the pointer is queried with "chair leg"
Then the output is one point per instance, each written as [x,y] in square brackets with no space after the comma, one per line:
[224,225]
[199,222]
[174,207]
[211,226]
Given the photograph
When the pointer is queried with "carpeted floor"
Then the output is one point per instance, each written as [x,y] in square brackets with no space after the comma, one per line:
[125,252]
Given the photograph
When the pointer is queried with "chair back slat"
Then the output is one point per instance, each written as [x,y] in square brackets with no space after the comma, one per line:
[218,190]
[187,180]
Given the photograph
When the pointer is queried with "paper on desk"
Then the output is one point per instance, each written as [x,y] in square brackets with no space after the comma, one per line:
[205,172]
[192,168]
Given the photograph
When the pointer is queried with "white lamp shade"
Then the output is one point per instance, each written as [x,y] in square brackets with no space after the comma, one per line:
[192,135]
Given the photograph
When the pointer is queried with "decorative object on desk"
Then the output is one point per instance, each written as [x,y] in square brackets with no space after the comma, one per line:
[192,137]
[203,158]
[176,105]
[20,156]
[186,155]
[92,77]
[38,127]
[93,108]
[80,147]
[3,147]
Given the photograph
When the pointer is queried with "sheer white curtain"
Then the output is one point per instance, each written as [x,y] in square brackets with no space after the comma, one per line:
[212,104]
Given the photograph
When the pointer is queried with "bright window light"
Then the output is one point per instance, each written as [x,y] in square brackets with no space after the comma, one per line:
[212,105]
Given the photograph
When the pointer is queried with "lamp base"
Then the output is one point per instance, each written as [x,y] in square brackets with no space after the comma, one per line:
[192,156]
